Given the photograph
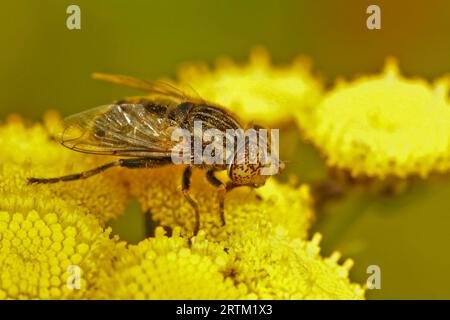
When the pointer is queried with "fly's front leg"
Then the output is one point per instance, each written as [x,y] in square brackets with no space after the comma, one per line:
[185,186]
[223,189]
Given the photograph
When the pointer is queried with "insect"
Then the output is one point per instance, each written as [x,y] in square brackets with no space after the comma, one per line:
[138,131]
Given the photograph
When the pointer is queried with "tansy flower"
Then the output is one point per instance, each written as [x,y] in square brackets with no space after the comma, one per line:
[46,229]
[159,192]
[384,125]
[258,91]
[166,268]
[274,267]
[264,235]
[34,151]
[49,249]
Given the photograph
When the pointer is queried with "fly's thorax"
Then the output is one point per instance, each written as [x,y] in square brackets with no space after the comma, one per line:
[157,108]
[180,114]
[211,117]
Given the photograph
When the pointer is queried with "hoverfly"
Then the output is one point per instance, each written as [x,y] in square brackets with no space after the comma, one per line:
[138,131]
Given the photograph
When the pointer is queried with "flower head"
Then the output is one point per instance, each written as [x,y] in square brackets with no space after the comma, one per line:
[274,267]
[258,91]
[166,268]
[159,192]
[384,125]
[31,151]
[41,239]
[44,230]
[262,247]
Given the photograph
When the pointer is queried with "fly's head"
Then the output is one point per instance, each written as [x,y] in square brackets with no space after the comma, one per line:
[253,164]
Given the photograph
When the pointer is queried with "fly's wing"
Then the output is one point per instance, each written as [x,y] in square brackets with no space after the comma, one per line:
[129,130]
[161,89]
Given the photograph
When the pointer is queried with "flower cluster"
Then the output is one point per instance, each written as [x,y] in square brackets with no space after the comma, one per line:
[262,252]
[379,126]
[169,268]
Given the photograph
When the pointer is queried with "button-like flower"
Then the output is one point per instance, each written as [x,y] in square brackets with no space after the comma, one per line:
[384,125]
[258,91]
[255,267]
[166,268]
[34,151]
[264,235]
[274,267]
[159,192]
[49,249]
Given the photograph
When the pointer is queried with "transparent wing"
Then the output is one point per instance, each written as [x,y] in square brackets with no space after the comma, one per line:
[159,88]
[124,130]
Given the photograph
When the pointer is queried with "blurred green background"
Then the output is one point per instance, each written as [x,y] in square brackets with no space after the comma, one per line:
[44,65]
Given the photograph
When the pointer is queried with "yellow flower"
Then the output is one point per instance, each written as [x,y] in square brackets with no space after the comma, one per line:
[31,151]
[159,192]
[253,268]
[258,91]
[45,244]
[274,267]
[288,206]
[166,268]
[264,236]
[384,125]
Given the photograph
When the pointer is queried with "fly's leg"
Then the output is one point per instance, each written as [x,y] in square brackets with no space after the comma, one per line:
[185,186]
[223,189]
[77,176]
[127,163]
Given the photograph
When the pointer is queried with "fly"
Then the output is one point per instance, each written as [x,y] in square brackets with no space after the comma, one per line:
[138,130]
